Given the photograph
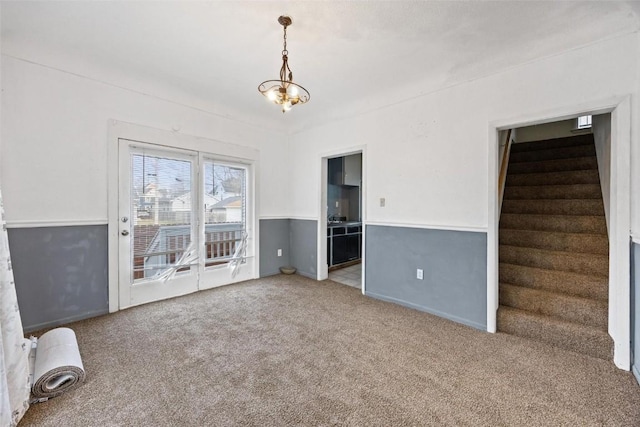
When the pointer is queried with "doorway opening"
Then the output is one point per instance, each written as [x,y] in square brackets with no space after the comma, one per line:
[341,221]
[618,217]
[553,237]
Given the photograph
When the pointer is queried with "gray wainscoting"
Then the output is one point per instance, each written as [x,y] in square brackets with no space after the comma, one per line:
[304,246]
[274,235]
[635,310]
[454,265]
[61,273]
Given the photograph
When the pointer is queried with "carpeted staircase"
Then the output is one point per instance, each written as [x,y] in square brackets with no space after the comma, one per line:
[554,260]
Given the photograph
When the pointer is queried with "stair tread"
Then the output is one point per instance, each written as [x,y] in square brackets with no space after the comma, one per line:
[554,165]
[559,253]
[579,207]
[551,222]
[558,322]
[553,192]
[556,200]
[571,283]
[596,302]
[590,243]
[571,336]
[596,264]
[552,232]
[558,305]
[585,176]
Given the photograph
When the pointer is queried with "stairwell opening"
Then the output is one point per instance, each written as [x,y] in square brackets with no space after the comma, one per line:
[553,239]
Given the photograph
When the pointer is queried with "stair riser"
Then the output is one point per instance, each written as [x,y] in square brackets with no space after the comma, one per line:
[563,261]
[593,342]
[582,243]
[583,163]
[570,141]
[565,224]
[553,154]
[571,309]
[591,207]
[577,191]
[554,178]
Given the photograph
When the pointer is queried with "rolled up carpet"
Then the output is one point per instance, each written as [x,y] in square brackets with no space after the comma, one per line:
[58,366]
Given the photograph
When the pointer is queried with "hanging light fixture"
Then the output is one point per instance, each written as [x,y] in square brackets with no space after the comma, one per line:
[284,92]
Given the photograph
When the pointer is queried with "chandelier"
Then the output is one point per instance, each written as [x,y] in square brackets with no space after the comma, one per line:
[284,92]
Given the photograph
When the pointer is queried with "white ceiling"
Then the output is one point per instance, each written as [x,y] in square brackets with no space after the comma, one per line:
[351,56]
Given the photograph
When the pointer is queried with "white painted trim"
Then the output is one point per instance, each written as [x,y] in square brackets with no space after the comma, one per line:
[444,227]
[113,136]
[619,256]
[635,238]
[341,152]
[267,217]
[322,266]
[56,223]
[619,231]
[602,106]
[304,218]
[363,218]
[492,229]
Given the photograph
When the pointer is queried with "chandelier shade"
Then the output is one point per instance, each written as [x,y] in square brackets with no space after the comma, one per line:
[284,92]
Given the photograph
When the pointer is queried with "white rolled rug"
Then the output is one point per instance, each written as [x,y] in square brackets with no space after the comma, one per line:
[58,366]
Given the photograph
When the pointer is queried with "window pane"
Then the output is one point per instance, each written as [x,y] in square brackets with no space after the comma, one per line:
[162,213]
[225,211]
[584,122]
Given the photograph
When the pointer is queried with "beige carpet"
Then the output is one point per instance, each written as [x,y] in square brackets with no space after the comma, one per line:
[291,351]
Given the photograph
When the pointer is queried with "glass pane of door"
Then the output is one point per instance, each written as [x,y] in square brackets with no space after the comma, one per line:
[225,211]
[162,214]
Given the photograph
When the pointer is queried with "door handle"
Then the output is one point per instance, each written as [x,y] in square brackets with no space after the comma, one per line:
[124,232]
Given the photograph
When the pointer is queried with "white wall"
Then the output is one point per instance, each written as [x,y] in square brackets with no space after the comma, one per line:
[559,129]
[54,155]
[428,156]
[602,138]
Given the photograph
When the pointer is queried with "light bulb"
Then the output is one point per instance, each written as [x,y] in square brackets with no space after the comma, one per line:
[271,95]
[292,91]
[286,106]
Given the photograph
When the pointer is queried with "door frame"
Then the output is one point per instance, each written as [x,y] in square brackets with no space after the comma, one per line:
[619,324]
[322,266]
[219,150]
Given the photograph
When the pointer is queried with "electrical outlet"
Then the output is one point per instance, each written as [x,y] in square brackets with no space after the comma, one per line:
[419,274]
[383,201]
[279,252]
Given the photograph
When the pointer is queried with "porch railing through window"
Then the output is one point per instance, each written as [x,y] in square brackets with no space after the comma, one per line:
[157,248]
[220,245]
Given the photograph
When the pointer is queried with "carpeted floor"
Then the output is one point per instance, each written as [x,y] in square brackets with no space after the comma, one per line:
[287,350]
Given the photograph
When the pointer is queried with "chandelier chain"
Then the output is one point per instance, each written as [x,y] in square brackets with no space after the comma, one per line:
[284,50]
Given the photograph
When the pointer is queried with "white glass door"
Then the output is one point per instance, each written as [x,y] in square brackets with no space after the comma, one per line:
[158,223]
[185,222]
[227,247]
